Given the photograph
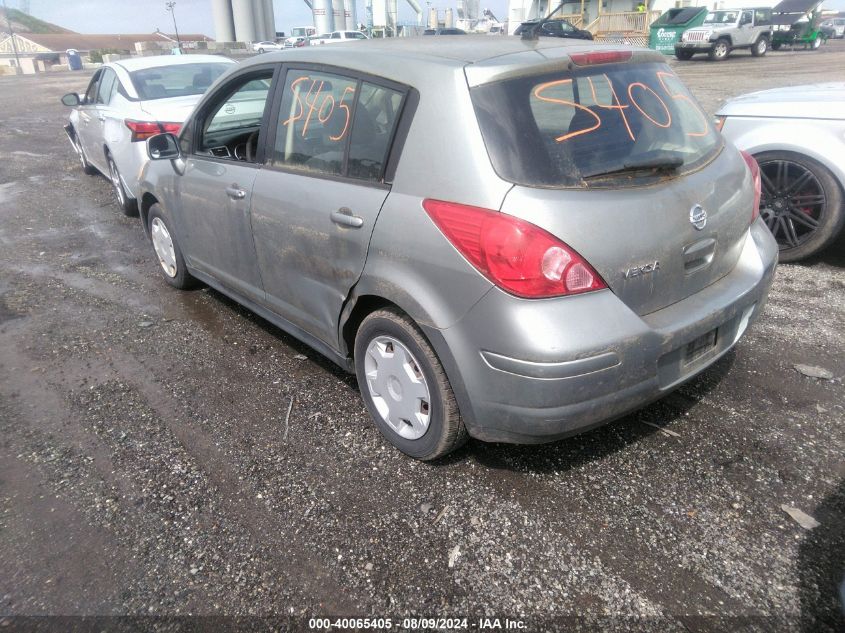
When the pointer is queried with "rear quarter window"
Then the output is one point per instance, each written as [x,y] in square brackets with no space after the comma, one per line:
[572,128]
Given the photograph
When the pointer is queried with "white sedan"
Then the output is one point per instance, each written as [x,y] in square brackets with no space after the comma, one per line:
[263,47]
[129,101]
[797,135]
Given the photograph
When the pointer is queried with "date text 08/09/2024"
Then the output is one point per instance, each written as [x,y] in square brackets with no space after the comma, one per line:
[416,624]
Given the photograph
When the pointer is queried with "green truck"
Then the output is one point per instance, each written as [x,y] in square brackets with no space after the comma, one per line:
[667,29]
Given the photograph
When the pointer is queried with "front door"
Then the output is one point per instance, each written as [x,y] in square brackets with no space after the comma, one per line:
[216,187]
[315,204]
[89,128]
[746,29]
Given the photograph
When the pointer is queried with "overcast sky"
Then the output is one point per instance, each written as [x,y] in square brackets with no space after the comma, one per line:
[194,16]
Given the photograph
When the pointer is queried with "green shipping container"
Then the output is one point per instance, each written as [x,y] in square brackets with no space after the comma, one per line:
[667,29]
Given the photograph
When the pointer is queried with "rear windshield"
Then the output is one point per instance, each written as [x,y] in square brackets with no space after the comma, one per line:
[176,81]
[569,129]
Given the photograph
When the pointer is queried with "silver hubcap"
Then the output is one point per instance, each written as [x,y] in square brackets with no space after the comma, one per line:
[115,181]
[163,245]
[398,387]
[721,49]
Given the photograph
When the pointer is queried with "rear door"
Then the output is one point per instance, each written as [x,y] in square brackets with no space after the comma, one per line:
[315,203]
[216,187]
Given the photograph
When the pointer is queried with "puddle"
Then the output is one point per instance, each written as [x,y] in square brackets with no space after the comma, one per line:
[7,192]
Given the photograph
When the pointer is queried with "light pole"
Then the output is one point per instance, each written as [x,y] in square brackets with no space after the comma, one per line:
[170,7]
[18,68]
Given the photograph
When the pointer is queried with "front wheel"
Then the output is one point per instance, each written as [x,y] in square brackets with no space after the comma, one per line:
[684,55]
[801,203]
[720,51]
[167,251]
[816,43]
[405,387]
[760,47]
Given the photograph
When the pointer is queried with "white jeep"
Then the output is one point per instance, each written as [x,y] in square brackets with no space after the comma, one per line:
[724,31]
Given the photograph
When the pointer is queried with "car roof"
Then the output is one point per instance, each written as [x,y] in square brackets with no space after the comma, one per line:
[466,50]
[156,61]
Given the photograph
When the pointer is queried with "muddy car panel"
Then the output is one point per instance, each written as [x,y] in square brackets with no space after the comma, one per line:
[523,369]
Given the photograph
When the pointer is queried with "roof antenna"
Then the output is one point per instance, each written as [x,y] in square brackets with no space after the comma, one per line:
[531,29]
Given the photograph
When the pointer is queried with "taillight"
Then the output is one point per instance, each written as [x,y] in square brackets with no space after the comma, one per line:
[517,256]
[719,122]
[142,130]
[600,57]
[758,185]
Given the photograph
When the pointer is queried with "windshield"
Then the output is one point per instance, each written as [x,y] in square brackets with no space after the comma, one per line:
[564,129]
[179,80]
[721,17]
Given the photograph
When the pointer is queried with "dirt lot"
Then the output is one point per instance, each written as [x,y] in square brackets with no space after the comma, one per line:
[146,468]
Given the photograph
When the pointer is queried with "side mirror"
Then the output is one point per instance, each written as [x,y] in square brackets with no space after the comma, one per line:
[163,147]
[71,99]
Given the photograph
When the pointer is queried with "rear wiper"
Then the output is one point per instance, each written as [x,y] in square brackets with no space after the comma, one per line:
[655,164]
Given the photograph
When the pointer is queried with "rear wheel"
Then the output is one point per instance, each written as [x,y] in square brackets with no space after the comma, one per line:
[167,251]
[760,47]
[721,49]
[683,55]
[405,387]
[128,205]
[801,203]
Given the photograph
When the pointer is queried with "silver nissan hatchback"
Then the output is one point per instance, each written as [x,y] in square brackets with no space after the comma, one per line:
[506,239]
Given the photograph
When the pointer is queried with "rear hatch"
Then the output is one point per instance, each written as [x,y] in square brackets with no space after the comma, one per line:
[617,159]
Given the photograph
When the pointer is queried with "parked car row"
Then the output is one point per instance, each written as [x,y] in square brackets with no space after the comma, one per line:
[126,103]
[566,261]
[757,29]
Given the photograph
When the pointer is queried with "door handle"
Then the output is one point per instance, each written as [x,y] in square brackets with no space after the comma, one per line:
[344,217]
[235,192]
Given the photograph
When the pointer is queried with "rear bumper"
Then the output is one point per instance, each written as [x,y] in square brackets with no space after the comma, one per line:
[536,371]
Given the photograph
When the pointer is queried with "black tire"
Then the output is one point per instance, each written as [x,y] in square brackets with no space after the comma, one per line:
[446,431]
[684,55]
[260,51]
[760,47]
[128,205]
[816,43]
[821,197]
[720,51]
[181,278]
[87,167]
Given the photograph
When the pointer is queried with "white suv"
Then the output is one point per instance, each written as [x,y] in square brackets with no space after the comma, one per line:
[335,37]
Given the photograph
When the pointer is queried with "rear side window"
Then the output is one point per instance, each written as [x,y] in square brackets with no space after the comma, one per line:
[107,86]
[570,129]
[336,125]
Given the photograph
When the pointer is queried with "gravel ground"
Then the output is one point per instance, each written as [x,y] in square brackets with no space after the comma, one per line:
[146,467]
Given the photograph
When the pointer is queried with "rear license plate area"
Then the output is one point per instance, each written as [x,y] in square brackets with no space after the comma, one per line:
[700,347]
